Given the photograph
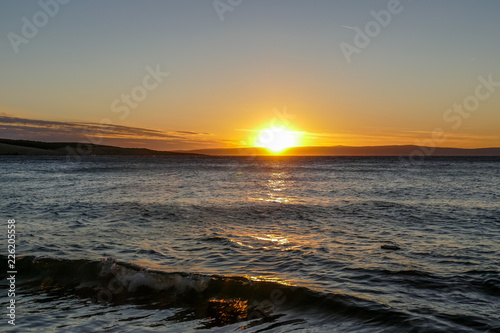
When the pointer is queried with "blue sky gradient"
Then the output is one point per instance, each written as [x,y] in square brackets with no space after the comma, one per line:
[226,77]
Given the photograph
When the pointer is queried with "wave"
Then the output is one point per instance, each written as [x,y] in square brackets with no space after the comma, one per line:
[221,300]
[111,282]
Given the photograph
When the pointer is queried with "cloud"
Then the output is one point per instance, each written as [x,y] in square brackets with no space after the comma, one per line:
[12,127]
[348,27]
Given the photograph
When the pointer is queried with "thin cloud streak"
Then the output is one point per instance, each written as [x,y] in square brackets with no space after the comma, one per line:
[13,127]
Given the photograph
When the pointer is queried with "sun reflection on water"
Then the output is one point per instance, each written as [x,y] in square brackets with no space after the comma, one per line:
[277,239]
[265,242]
[272,279]
[222,312]
[277,187]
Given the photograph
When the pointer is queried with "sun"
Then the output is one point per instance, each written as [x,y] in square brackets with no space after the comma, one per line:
[277,139]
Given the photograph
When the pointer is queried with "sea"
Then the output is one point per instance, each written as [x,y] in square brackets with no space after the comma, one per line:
[249,244]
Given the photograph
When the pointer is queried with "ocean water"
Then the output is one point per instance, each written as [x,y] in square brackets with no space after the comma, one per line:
[239,244]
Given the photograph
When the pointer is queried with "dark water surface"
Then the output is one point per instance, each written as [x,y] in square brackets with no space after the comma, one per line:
[183,244]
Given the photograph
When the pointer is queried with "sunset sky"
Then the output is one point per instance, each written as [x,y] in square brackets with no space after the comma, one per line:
[236,69]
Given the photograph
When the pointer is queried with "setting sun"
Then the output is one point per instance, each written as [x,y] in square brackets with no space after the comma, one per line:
[277,139]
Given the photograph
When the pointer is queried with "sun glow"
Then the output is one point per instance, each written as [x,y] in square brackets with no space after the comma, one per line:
[277,139]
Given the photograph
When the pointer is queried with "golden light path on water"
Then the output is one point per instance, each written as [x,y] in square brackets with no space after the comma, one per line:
[276,187]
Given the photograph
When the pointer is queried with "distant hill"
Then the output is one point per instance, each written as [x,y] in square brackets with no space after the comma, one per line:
[25,147]
[356,151]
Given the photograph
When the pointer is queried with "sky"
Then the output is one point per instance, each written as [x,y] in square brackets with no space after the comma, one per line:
[207,74]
